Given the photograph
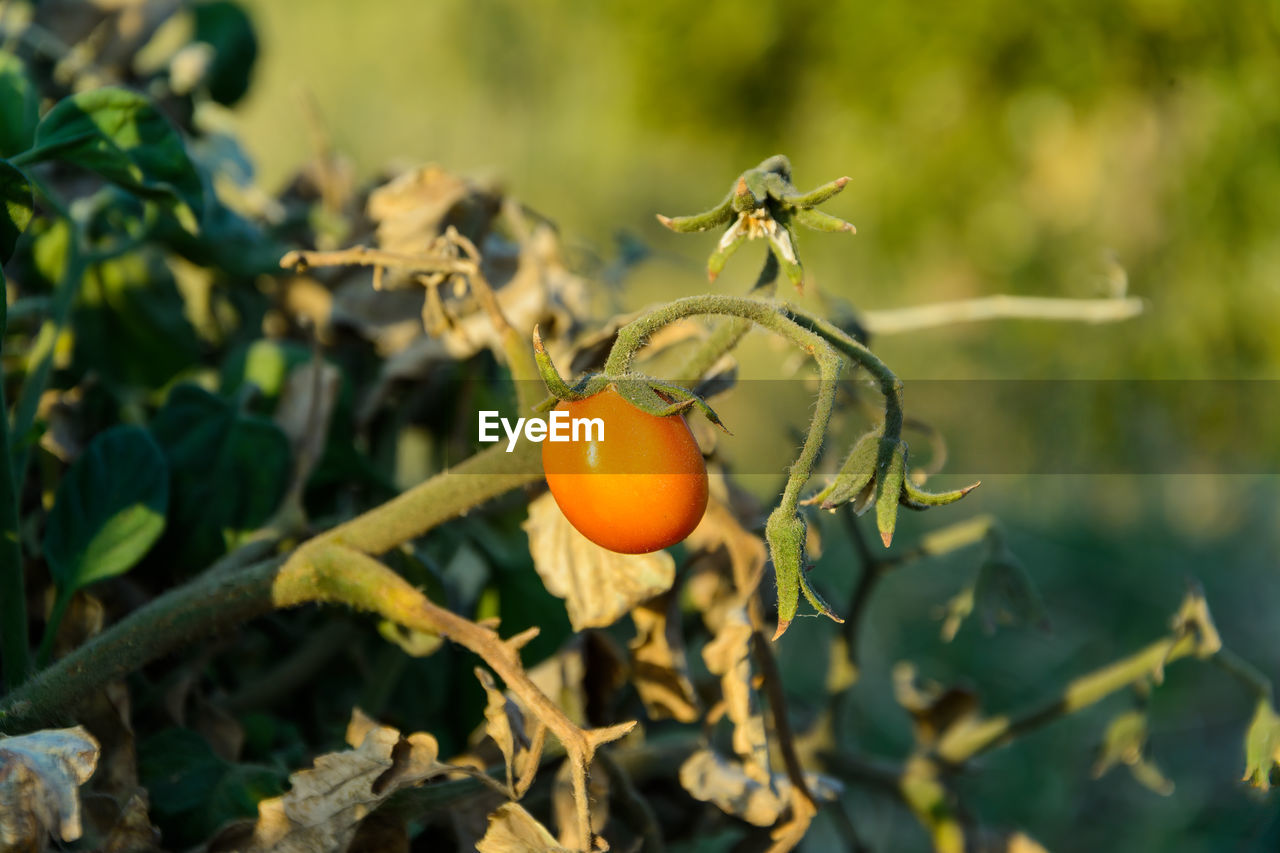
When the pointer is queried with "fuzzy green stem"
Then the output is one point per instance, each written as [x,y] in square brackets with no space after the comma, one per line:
[825,343]
[14,649]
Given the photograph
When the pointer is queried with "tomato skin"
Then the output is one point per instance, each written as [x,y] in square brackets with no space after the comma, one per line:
[641,489]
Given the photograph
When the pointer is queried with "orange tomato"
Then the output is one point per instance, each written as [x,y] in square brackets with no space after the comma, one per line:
[640,489]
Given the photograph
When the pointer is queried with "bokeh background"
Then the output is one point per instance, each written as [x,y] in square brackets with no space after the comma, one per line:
[1059,148]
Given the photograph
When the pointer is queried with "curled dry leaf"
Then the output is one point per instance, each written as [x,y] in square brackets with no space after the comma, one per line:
[660,671]
[719,529]
[728,655]
[504,722]
[325,805]
[711,778]
[599,587]
[514,830]
[40,774]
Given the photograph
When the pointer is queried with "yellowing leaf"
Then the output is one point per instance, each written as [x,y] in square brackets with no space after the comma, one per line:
[1262,746]
[514,830]
[599,587]
[326,804]
[39,777]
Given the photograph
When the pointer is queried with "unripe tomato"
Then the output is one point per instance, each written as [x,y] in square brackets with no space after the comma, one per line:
[642,488]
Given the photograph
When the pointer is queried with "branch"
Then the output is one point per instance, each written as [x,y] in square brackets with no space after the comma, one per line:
[895,321]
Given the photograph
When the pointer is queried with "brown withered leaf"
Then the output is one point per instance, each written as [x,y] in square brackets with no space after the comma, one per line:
[133,832]
[660,670]
[599,587]
[504,722]
[40,776]
[325,804]
[712,778]
[514,830]
[788,834]
[410,210]
[728,656]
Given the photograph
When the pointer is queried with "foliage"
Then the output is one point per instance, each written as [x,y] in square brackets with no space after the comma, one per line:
[221,416]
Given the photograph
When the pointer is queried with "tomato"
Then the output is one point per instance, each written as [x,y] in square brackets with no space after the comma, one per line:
[642,488]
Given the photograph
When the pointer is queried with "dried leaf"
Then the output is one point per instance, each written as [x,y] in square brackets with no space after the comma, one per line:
[410,209]
[326,804]
[728,655]
[514,830]
[599,586]
[40,774]
[504,723]
[660,671]
[711,778]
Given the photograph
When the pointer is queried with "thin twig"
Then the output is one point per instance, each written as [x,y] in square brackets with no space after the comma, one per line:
[895,321]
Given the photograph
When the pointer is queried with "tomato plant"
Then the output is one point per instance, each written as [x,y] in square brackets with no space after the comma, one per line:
[640,488]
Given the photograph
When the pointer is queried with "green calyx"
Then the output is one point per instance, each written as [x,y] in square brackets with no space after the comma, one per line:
[765,204]
[652,396]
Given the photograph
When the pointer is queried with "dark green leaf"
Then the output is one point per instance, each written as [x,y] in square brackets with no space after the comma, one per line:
[15,192]
[109,509]
[130,324]
[230,470]
[19,106]
[121,136]
[227,27]
[194,791]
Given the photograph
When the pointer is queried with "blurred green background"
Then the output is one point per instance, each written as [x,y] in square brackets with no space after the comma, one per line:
[994,147]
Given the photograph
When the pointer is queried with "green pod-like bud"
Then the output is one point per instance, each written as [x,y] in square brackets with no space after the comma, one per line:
[855,473]
[785,532]
[891,473]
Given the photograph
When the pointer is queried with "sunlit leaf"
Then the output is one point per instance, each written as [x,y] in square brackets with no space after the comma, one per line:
[121,136]
[599,586]
[109,510]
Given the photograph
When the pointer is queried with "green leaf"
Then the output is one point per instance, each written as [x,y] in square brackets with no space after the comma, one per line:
[121,136]
[194,791]
[230,470]
[130,323]
[109,509]
[15,192]
[227,28]
[19,106]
